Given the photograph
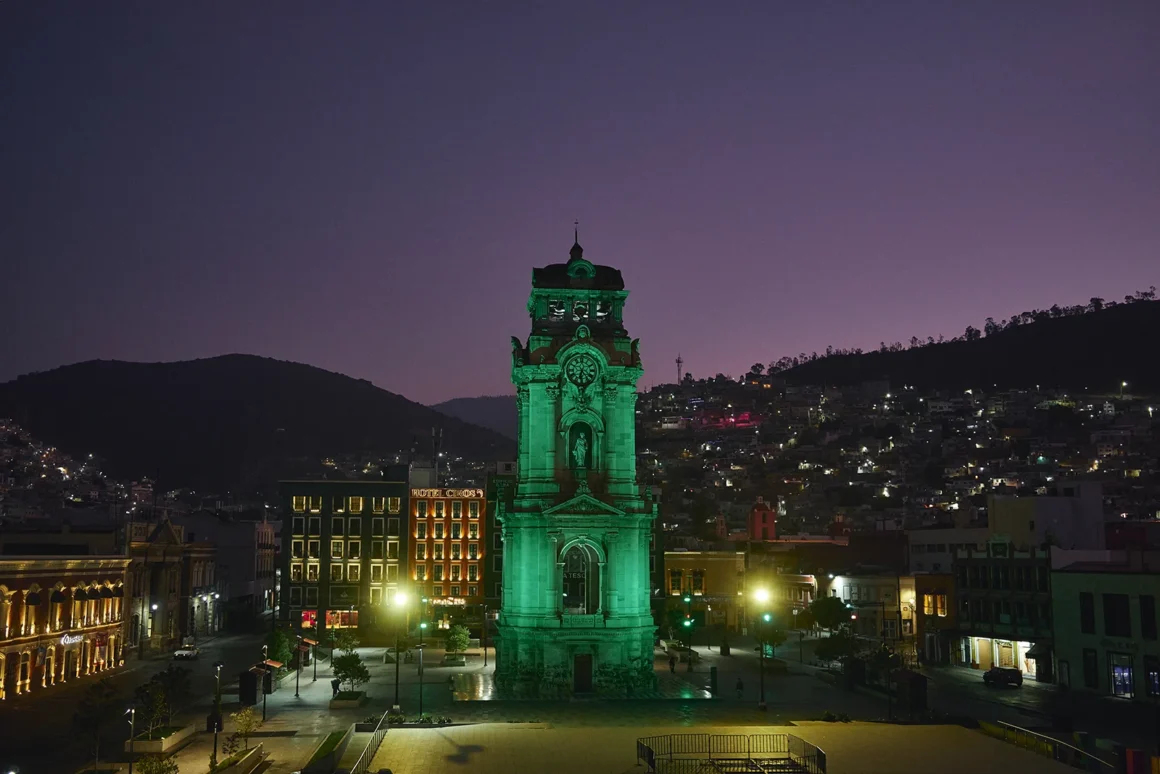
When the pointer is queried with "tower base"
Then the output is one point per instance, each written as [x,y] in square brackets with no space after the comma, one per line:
[537,662]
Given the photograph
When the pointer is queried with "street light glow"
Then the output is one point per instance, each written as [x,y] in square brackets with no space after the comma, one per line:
[400,598]
[761,595]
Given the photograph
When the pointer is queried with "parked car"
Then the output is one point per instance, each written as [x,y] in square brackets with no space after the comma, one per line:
[1003,676]
[186,654]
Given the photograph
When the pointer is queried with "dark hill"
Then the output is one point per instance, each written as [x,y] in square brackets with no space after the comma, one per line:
[1093,351]
[230,422]
[495,412]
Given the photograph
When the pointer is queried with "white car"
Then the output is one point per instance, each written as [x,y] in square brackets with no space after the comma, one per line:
[186,653]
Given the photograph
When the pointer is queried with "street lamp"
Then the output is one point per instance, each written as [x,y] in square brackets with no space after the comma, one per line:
[298,664]
[1122,386]
[400,602]
[484,632]
[217,713]
[132,713]
[762,597]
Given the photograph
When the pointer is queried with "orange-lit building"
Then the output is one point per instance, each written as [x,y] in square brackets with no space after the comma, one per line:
[449,547]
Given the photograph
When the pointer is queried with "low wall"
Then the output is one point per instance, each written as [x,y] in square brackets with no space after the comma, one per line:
[246,763]
[161,746]
[329,762]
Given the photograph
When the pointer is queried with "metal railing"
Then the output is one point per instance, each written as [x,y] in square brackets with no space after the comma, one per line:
[1050,747]
[363,764]
[690,753]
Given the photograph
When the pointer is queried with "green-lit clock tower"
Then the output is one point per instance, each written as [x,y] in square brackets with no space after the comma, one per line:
[575,612]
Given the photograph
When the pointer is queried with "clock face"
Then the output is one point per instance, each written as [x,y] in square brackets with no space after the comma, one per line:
[581,370]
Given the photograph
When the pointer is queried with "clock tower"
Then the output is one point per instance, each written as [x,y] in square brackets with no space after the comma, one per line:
[575,615]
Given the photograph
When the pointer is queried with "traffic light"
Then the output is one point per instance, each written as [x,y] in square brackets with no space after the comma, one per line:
[688,599]
[688,622]
[767,617]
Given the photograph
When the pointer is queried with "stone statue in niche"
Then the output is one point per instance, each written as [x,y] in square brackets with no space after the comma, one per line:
[579,447]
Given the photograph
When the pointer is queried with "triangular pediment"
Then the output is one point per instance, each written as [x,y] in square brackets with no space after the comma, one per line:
[583,504]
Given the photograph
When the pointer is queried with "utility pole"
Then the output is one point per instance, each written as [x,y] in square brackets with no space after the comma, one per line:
[132,713]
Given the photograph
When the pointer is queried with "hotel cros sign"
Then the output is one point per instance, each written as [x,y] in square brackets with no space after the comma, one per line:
[446,493]
[71,639]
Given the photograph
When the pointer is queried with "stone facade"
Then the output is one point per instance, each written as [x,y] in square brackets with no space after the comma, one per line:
[575,614]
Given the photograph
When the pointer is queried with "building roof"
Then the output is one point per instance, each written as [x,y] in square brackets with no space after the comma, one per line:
[578,274]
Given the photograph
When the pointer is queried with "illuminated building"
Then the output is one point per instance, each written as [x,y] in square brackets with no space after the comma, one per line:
[715,583]
[576,584]
[344,550]
[62,618]
[883,605]
[449,534]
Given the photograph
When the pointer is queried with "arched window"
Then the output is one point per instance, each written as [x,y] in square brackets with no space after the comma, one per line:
[581,581]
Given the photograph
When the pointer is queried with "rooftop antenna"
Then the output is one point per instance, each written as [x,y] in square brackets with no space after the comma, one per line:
[680,363]
[576,231]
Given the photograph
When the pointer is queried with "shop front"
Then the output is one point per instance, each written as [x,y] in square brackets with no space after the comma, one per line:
[984,652]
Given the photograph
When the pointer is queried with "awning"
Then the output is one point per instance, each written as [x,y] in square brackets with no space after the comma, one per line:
[1038,650]
[118,591]
[80,595]
[32,599]
[106,592]
[57,596]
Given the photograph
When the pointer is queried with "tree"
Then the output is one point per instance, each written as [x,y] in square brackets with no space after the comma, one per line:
[152,706]
[757,369]
[830,612]
[773,638]
[805,619]
[246,722]
[157,764]
[349,668]
[971,333]
[175,684]
[278,646]
[345,641]
[458,638]
[99,706]
[836,647]
[990,327]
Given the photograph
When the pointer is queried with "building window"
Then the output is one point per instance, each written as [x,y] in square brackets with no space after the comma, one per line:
[438,552]
[354,549]
[473,572]
[456,531]
[456,552]
[455,591]
[455,572]
[1087,612]
[378,504]
[440,509]
[376,573]
[1148,616]
[312,572]
[299,503]
[392,573]
[393,527]
[941,605]
[314,503]
[421,509]
[312,596]
[438,530]
[437,591]
[336,549]
[338,505]
[296,595]
[421,530]
[336,525]
[315,525]
[299,527]
[498,589]
[421,551]
[497,541]
[457,509]
[296,548]
[675,581]
[376,549]
[473,509]
[699,582]
[421,573]
[354,529]
[1117,615]
[377,526]
[437,573]
[1120,669]
[376,595]
[1091,678]
[497,562]
[473,591]
[928,604]
[393,550]
[473,531]
[393,504]
[353,572]
[356,504]
[473,551]
[335,573]
[1152,676]
[296,572]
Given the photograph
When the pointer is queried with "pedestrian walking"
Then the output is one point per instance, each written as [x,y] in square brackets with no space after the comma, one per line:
[335,684]
[672,663]
[740,688]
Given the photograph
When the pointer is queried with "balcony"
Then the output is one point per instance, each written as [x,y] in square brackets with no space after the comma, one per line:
[581,621]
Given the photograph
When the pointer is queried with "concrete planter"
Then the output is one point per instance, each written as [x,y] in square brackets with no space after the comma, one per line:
[161,746]
[246,763]
[349,703]
[329,762]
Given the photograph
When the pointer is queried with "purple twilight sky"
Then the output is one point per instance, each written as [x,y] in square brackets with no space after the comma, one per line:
[366,186]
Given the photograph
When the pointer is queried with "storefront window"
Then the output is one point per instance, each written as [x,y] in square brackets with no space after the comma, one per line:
[341,619]
[1121,669]
[309,619]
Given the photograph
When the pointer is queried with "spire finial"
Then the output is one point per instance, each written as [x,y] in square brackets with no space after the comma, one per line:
[577,252]
[576,231]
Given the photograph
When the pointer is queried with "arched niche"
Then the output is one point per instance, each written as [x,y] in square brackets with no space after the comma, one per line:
[581,565]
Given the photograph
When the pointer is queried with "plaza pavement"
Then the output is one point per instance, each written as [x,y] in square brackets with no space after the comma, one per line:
[854,748]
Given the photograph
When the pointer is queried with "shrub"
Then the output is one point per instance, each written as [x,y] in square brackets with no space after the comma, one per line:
[349,668]
[157,764]
[246,721]
[458,638]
